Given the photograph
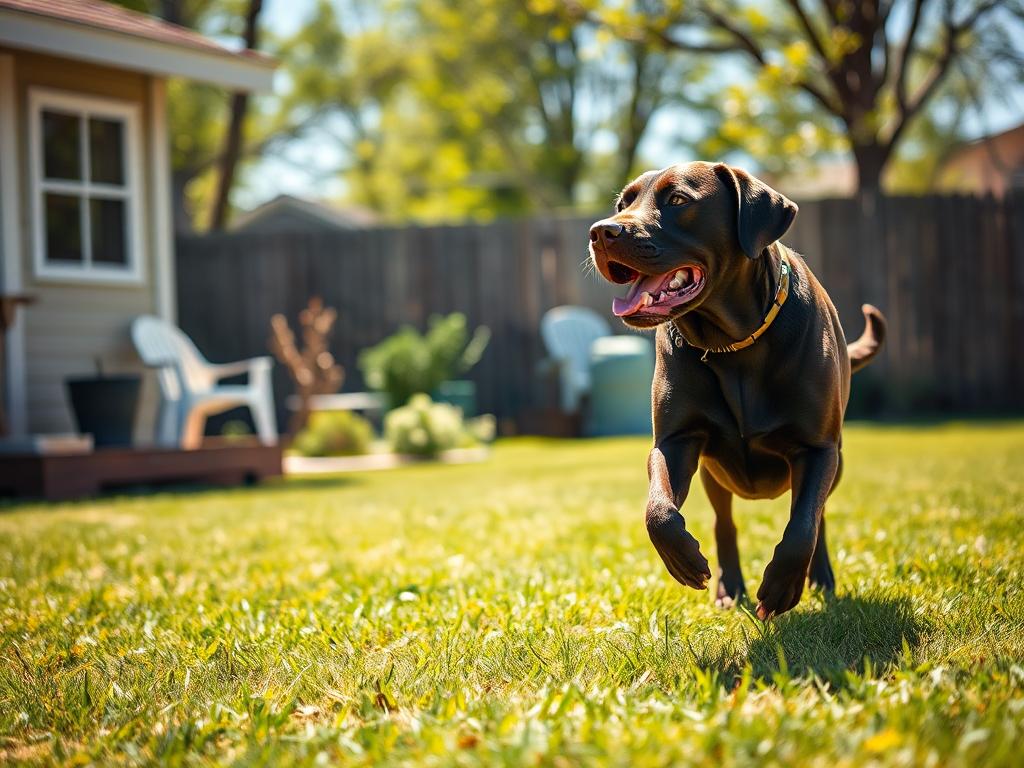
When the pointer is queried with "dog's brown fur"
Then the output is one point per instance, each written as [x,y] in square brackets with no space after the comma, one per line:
[755,422]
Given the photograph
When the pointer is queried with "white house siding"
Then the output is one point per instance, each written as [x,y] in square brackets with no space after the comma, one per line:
[72,324]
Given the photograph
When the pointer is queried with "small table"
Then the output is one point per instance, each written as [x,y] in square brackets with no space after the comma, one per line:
[344,401]
[9,304]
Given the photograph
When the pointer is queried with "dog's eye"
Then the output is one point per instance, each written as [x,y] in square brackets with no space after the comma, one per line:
[678,198]
[625,201]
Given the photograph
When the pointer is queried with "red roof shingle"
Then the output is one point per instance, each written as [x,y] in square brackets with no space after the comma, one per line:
[114,18]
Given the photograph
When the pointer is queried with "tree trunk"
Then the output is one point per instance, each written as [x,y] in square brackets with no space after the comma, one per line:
[233,137]
[872,227]
[871,161]
[568,180]
[637,115]
[170,10]
[629,140]
[179,203]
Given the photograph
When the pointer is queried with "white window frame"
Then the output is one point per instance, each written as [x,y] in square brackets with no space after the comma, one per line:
[133,272]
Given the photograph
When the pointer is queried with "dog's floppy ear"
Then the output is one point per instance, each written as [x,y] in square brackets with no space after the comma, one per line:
[762,214]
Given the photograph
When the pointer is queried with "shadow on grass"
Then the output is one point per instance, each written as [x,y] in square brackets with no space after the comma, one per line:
[271,485]
[844,635]
[847,634]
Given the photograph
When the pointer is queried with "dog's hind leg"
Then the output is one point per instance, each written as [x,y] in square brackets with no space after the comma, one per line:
[730,576]
[813,472]
[820,575]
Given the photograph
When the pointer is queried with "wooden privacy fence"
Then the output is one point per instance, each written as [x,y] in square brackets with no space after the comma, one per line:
[947,271]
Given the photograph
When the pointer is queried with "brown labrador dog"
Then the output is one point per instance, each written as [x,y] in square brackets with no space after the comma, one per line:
[753,371]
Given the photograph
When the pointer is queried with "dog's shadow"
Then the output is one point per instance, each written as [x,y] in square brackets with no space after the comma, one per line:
[848,633]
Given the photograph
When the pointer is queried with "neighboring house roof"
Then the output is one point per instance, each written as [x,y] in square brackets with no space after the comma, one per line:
[104,33]
[835,177]
[990,164]
[288,214]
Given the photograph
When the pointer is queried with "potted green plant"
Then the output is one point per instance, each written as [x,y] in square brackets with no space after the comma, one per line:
[409,363]
[104,405]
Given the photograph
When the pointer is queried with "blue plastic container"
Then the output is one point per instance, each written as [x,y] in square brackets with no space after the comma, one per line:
[621,371]
[458,392]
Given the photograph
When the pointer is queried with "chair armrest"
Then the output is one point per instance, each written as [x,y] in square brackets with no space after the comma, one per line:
[250,366]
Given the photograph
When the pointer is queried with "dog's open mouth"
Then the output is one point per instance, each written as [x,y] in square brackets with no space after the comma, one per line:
[658,294]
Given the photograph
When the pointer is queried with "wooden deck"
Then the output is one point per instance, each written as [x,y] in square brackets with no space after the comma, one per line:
[72,476]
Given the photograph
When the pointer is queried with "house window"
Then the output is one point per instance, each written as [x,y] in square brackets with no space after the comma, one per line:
[85,166]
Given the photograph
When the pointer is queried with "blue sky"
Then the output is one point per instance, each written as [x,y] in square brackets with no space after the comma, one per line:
[304,173]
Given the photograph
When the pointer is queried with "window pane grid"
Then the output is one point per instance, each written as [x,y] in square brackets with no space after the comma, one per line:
[83,207]
[106,150]
[63,215]
[105,217]
[60,159]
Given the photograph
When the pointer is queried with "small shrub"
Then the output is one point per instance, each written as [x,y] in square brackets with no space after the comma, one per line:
[334,433]
[482,429]
[409,362]
[235,430]
[424,428]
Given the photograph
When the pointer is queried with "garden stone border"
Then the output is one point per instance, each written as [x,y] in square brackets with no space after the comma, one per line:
[317,465]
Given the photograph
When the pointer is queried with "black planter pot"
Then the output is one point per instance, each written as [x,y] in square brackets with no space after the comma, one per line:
[105,407]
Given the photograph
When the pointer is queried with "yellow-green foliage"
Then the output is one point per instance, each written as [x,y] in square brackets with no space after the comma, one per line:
[515,613]
[409,363]
[334,433]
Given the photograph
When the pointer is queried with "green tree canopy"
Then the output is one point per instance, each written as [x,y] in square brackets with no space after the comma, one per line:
[453,108]
[826,74]
[445,109]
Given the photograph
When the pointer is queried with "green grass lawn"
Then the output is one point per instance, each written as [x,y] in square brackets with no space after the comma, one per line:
[515,612]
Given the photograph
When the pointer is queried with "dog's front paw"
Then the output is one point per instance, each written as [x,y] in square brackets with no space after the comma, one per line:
[783,582]
[678,549]
[731,588]
[821,576]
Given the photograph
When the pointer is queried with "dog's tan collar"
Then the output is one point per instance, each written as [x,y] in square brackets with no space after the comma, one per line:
[781,294]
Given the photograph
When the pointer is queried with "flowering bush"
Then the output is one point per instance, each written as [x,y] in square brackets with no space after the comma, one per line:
[425,428]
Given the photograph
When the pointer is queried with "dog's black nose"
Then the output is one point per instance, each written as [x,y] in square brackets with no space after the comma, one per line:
[607,230]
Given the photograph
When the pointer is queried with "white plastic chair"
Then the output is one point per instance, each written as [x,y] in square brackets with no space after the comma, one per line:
[189,388]
[568,332]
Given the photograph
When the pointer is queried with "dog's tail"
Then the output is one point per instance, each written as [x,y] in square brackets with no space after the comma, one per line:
[864,349]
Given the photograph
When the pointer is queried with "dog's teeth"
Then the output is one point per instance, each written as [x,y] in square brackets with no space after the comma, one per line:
[645,299]
[675,283]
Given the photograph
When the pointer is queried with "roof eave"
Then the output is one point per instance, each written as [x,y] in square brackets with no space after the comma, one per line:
[57,37]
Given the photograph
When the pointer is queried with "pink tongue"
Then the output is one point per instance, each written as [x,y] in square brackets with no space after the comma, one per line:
[632,302]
